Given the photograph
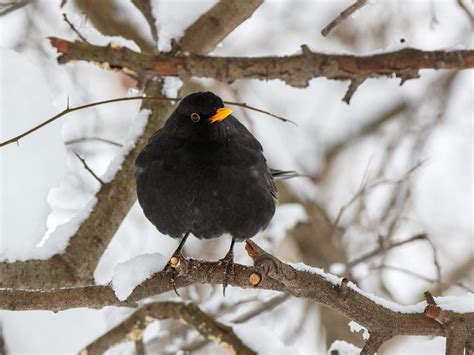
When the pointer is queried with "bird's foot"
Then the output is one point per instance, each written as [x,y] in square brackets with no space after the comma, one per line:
[173,263]
[228,262]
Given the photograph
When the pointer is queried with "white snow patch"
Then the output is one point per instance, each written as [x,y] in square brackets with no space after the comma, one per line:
[171,86]
[356,328]
[318,271]
[415,308]
[133,272]
[460,304]
[133,91]
[135,132]
[34,165]
[344,348]
[262,340]
[58,240]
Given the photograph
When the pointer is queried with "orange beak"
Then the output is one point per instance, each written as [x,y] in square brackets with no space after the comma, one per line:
[220,115]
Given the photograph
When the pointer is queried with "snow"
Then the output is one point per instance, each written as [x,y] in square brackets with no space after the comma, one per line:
[29,169]
[344,348]
[131,273]
[135,132]
[171,86]
[460,304]
[357,328]
[57,241]
[464,303]
[262,340]
[336,280]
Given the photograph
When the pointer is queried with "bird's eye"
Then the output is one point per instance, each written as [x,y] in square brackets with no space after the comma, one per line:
[195,117]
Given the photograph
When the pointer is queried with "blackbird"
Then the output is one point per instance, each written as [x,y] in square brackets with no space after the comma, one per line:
[205,174]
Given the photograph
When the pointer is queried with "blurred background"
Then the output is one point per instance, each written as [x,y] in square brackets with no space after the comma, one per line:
[396,163]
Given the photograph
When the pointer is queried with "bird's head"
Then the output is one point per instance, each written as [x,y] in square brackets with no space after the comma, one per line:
[200,116]
[202,108]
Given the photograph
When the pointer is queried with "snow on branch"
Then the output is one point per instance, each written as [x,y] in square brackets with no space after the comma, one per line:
[383,319]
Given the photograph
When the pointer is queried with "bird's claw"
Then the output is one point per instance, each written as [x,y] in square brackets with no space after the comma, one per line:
[173,263]
[228,261]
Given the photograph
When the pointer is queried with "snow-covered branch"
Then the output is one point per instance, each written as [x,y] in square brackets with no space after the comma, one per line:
[383,319]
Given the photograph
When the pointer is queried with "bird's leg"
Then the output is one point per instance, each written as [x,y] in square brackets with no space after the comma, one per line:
[228,260]
[174,261]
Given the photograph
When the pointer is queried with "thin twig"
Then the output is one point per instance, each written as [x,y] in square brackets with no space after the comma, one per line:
[383,249]
[419,276]
[343,16]
[77,108]
[88,168]
[361,191]
[244,105]
[88,139]
[466,10]
[74,29]
[6,8]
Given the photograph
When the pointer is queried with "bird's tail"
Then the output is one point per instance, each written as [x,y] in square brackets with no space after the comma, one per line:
[283,175]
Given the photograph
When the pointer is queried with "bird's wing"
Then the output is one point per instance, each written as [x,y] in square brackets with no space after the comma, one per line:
[254,143]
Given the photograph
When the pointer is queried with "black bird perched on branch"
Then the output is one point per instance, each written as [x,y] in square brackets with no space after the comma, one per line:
[204,173]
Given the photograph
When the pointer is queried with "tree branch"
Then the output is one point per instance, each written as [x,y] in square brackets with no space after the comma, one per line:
[371,312]
[296,70]
[343,16]
[145,7]
[382,248]
[216,24]
[132,328]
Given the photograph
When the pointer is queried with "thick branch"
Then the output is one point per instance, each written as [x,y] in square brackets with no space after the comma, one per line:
[457,336]
[296,70]
[275,275]
[212,27]
[132,328]
[373,343]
